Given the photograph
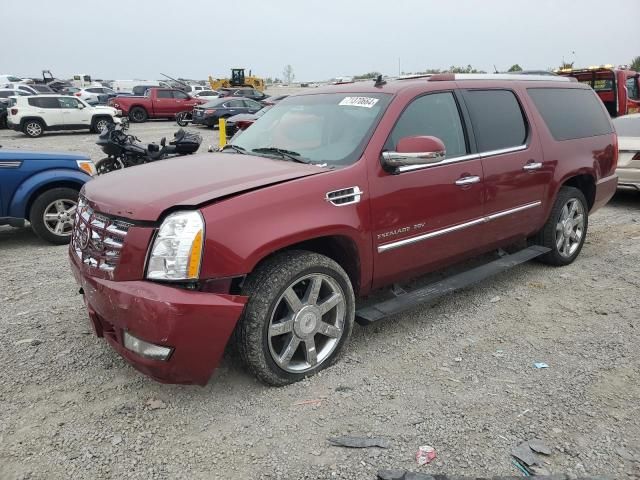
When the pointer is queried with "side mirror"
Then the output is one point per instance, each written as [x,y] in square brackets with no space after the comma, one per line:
[419,150]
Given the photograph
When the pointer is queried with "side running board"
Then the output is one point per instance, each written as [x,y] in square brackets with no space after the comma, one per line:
[408,300]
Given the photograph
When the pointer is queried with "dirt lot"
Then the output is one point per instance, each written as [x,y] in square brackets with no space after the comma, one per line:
[457,375]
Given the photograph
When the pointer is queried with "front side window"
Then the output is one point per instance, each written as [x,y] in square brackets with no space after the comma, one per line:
[497,119]
[165,94]
[433,115]
[331,128]
[67,102]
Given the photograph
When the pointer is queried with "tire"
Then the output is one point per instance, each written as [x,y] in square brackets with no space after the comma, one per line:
[53,202]
[182,119]
[138,115]
[101,123]
[33,128]
[566,229]
[313,339]
[108,164]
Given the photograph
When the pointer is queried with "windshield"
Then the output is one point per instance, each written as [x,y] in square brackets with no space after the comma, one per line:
[330,128]
[627,126]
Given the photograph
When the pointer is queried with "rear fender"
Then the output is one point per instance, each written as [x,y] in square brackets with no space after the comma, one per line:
[31,117]
[36,184]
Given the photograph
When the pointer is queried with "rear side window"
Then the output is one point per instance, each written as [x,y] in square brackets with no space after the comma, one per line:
[497,119]
[165,94]
[570,112]
[433,115]
[44,102]
[180,95]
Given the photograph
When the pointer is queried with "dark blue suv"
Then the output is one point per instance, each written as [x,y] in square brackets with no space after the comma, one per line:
[42,188]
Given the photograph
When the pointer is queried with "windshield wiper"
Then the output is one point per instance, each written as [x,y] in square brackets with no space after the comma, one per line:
[288,154]
[235,148]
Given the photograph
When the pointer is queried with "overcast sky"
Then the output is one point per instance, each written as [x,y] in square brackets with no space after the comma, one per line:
[138,39]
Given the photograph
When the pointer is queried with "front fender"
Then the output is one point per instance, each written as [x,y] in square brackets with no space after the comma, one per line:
[53,178]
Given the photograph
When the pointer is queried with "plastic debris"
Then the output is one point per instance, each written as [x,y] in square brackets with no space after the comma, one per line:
[539,446]
[425,454]
[359,442]
[524,454]
[154,404]
[540,365]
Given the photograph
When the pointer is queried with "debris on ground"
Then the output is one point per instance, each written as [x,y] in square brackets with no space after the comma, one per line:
[526,460]
[154,404]
[495,299]
[31,341]
[539,446]
[540,365]
[524,454]
[315,401]
[425,454]
[359,442]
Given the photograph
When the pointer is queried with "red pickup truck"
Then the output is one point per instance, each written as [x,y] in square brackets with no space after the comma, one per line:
[327,197]
[618,89]
[156,103]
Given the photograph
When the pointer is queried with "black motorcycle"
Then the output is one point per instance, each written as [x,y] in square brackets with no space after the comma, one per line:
[124,150]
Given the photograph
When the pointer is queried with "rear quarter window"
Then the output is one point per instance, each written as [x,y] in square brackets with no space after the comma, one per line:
[44,102]
[571,113]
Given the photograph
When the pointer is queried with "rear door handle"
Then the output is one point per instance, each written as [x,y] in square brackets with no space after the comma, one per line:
[467,181]
[532,166]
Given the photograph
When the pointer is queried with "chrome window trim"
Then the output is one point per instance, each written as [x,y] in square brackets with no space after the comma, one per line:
[437,233]
[463,158]
[10,163]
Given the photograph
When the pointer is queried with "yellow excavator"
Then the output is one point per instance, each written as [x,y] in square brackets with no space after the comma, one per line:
[237,79]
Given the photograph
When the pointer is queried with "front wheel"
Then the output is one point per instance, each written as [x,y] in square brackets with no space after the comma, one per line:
[138,115]
[183,118]
[566,228]
[101,124]
[52,215]
[108,164]
[298,319]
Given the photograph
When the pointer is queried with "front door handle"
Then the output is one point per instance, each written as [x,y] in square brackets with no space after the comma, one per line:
[532,166]
[467,181]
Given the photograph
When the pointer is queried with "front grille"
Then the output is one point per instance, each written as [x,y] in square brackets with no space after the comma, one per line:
[97,239]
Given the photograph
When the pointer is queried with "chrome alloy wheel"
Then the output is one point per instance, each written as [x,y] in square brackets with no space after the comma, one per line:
[307,323]
[101,125]
[59,216]
[570,228]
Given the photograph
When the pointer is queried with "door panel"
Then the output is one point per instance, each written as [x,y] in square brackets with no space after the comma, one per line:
[164,103]
[515,175]
[427,216]
[72,115]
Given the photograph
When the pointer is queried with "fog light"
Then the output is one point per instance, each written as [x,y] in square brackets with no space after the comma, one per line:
[146,349]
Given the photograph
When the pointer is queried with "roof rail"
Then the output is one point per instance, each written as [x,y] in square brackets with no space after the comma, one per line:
[499,76]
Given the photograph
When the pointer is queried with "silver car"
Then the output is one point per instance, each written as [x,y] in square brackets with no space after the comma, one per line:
[628,130]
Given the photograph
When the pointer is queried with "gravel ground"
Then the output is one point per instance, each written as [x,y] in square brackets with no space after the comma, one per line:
[457,375]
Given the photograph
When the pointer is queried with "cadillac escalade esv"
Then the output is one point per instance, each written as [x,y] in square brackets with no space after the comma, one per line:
[327,197]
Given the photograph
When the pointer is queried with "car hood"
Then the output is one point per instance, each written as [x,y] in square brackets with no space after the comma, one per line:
[144,192]
[6,154]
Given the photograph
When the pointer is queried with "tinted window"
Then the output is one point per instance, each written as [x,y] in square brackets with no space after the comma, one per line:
[435,115]
[6,94]
[164,94]
[214,103]
[236,104]
[570,112]
[180,95]
[44,102]
[252,104]
[42,88]
[496,118]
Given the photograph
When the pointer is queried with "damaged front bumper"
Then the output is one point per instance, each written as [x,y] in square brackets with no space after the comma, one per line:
[194,325]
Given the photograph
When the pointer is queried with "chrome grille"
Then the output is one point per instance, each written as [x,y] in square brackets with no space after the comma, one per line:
[97,239]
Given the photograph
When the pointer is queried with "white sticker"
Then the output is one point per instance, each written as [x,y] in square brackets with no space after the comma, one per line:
[366,102]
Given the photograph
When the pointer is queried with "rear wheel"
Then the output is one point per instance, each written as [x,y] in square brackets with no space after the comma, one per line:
[566,228]
[52,214]
[298,319]
[138,115]
[33,128]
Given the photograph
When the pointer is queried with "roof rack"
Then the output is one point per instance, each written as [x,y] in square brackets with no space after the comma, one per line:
[498,76]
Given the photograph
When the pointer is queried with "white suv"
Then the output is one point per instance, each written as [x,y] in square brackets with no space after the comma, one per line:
[34,115]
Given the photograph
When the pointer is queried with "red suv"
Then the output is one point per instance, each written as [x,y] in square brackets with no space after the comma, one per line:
[328,196]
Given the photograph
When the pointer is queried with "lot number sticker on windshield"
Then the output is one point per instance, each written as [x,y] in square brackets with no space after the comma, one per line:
[366,102]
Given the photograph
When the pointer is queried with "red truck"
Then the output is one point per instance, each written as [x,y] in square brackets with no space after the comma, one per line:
[327,197]
[619,89]
[156,103]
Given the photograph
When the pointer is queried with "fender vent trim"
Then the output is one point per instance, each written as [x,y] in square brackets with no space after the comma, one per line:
[344,196]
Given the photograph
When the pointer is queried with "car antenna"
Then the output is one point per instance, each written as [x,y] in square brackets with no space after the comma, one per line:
[379,81]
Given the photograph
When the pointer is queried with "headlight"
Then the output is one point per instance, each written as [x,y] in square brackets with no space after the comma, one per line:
[177,250]
[86,166]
